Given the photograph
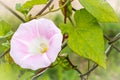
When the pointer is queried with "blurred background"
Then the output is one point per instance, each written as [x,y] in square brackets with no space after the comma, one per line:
[61,72]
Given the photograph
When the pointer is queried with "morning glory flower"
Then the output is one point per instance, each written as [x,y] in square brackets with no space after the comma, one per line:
[36,44]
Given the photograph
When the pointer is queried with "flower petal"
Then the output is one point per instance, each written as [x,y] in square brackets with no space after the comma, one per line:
[35,62]
[26,31]
[49,29]
[26,39]
[18,50]
[55,47]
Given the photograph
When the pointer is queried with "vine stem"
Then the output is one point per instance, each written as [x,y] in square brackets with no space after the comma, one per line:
[117,37]
[39,73]
[71,21]
[3,54]
[73,66]
[106,37]
[47,5]
[13,12]
[51,11]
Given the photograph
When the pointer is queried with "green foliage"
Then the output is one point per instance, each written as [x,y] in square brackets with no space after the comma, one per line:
[8,72]
[87,38]
[59,73]
[2,46]
[14,72]
[5,30]
[5,34]
[44,77]
[25,8]
[100,9]
[26,76]
[6,44]
[67,10]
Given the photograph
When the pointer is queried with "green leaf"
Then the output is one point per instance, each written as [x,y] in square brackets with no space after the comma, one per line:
[25,8]
[3,48]
[14,72]
[7,35]
[65,28]
[6,44]
[5,29]
[26,76]
[100,9]
[90,35]
[86,39]
[9,72]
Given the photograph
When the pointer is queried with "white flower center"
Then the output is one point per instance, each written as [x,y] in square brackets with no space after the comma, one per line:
[38,46]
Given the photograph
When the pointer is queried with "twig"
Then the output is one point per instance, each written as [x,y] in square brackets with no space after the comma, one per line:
[116,48]
[111,43]
[71,21]
[47,5]
[51,11]
[108,50]
[65,12]
[88,68]
[18,16]
[3,54]
[64,44]
[96,65]
[73,66]
[117,37]
[39,73]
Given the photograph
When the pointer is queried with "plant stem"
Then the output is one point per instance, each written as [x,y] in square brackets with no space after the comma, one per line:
[74,67]
[50,11]
[106,37]
[117,37]
[39,73]
[47,5]
[18,16]
[71,21]
[3,54]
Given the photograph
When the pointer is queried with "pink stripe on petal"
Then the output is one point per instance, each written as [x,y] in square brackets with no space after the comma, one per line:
[18,51]
[47,28]
[26,31]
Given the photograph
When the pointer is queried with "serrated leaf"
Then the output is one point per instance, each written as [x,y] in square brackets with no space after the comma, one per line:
[100,9]
[25,8]
[5,29]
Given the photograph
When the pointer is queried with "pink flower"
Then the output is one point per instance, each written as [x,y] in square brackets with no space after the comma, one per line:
[36,44]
